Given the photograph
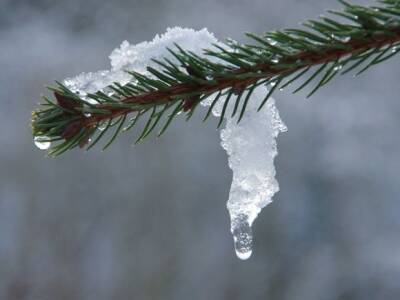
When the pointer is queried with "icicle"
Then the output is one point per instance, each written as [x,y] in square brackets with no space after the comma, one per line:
[250,145]
[251,148]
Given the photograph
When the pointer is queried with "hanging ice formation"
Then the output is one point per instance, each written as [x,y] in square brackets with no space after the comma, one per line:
[251,144]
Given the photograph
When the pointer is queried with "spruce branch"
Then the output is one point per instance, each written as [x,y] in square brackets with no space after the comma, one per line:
[351,40]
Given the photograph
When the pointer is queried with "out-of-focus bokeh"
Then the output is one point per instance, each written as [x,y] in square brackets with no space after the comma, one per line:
[150,222]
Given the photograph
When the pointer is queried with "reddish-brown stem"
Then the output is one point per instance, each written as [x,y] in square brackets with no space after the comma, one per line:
[270,70]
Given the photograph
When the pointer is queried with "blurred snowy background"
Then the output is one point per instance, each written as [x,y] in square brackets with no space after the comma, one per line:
[150,222]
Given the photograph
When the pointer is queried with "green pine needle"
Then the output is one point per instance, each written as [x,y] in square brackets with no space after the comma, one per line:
[350,40]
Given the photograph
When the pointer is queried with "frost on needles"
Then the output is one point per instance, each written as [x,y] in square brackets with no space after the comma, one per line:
[251,144]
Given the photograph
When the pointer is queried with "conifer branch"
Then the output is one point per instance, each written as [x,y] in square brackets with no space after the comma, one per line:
[326,48]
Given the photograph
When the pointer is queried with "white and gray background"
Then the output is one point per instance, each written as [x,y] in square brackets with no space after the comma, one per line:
[150,222]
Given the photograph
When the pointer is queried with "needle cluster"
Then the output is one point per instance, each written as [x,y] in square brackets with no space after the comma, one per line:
[351,40]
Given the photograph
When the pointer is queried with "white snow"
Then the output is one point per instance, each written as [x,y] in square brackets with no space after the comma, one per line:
[251,147]
[251,144]
[138,57]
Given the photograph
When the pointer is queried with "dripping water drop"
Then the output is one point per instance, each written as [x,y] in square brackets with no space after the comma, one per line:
[242,237]
[42,142]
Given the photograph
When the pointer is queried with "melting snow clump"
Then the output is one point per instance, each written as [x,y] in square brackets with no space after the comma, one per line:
[251,147]
[251,144]
[138,57]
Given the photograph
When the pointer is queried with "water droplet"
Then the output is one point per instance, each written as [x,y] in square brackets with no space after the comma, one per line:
[242,237]
[343,39]
[42,142]
[338,67]
[272,42]
[131,120]
[275,60]
[87,114]
[273,83]
[395,49]
[102,126]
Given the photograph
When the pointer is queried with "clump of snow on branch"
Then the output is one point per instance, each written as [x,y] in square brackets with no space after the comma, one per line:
[138,57]
[251,144]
